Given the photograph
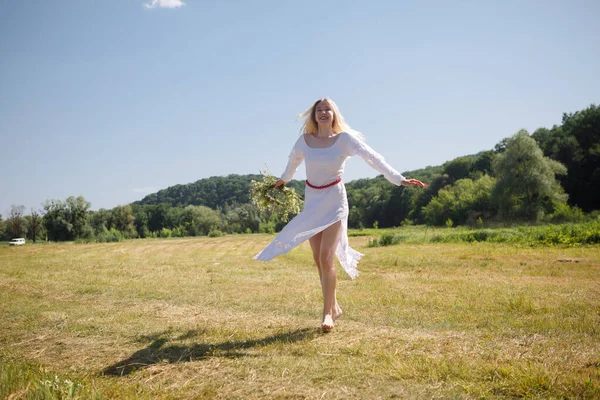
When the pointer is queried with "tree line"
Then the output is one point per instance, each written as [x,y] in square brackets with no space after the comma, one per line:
[551,175]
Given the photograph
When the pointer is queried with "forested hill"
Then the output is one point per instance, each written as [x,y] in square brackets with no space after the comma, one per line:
[221,191]
[214,192]
[575,144]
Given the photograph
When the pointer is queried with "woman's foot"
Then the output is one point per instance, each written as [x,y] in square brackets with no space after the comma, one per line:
[327,323]
[337,312]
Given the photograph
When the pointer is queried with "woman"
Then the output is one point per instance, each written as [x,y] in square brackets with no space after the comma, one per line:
[327,141]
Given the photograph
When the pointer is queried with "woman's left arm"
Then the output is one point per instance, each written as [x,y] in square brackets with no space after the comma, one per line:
[377,162]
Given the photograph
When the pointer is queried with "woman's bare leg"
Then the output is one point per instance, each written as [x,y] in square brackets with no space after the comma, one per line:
[315,245]
[329,241]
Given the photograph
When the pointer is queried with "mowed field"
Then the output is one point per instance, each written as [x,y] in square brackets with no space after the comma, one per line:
[198,318]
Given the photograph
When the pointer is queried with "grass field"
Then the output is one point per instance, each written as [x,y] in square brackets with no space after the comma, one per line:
[198,318]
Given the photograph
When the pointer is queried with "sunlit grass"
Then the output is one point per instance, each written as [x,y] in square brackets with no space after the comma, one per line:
[564,235]
[198,318]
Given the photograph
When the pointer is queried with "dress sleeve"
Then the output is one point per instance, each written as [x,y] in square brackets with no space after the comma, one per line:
[295,159]
[359,148]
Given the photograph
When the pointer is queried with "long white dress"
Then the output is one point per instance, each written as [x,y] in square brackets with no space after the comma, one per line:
[324,207]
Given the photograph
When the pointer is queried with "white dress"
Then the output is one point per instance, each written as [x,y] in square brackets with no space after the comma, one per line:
[324,207]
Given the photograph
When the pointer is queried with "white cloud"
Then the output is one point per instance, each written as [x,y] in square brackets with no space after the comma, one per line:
[165,4]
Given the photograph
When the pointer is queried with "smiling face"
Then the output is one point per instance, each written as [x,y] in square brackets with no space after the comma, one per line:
[323,113]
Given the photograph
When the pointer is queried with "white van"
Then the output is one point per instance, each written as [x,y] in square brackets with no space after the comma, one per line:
[17,242]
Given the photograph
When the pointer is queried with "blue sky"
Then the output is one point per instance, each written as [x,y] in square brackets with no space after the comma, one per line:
[115,99]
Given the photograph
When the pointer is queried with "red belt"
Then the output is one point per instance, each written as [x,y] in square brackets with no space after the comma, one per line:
[338,180]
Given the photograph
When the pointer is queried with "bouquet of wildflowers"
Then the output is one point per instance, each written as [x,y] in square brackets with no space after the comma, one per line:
[280,202]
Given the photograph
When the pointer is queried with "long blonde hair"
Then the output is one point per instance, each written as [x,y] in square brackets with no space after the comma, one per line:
[339,123]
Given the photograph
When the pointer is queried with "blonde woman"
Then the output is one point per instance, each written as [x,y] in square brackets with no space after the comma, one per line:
[325,144]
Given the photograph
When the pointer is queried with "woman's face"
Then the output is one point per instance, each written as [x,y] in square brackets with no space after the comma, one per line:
[324,113]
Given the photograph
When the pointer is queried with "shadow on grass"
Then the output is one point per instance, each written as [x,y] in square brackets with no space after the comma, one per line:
[157,352]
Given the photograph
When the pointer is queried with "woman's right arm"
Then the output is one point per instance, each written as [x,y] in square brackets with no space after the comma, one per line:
[377,162]
[295,159]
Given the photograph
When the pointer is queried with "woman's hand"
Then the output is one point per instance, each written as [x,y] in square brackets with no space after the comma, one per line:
[413,182]
[279,183]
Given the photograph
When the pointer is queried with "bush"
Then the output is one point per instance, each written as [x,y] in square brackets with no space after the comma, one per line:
[215,233]
[585,233]
[179,231]
[111,235]
[407,222]
[564,213]
[267,227]
[456,204]
[387,239]
[479,222]
[373,243]
[165,233]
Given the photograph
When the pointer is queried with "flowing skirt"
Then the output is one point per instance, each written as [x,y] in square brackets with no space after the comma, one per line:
[322,208]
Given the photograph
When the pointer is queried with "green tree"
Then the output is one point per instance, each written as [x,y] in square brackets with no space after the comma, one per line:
[424,197]
[527,185]
[56,222]
[141,216]
[200,220]
[123,221]
[35,224]
[500,147]
[463,202]
[16,224]
[2,227]
[100,220]
[77,208]
[174,217]
[576,144]
[459,168]
[244,218]
[157,217]
[400,202]
[67,220]
[483,163]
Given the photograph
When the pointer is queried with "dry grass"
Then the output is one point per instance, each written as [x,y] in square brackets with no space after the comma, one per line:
[198,318]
